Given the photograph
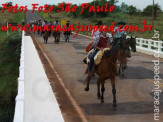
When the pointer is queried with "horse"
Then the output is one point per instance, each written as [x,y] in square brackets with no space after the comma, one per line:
[56,35]
[107,70]
[67,35]
[129,43]
[46,36]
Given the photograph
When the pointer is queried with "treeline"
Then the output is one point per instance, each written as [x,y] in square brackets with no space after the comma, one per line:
[125,8]
[128,9]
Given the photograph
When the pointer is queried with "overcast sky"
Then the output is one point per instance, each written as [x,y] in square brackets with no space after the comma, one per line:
[141,4]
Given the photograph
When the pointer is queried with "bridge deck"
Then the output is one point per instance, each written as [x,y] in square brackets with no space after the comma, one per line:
[40,102]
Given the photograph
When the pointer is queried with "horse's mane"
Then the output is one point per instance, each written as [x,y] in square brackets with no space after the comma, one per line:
[112,51]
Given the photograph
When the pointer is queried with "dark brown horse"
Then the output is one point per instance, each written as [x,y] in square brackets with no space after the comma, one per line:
[56,35]
[128,43]
[46,36]
[107,70]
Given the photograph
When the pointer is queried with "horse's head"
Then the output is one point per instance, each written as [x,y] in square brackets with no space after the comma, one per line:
[122,55]
[132,43]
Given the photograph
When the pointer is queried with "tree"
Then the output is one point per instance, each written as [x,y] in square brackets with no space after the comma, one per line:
[9,4]
[148,10]
[124,7]
[113,2]
[132,10]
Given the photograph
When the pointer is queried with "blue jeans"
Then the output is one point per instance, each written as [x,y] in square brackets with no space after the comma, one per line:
[92,46]
[91,63]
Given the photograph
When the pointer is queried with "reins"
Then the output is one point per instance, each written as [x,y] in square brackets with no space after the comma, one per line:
[109,62]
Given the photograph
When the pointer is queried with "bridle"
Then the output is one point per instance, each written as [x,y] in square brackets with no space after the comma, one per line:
[109,61]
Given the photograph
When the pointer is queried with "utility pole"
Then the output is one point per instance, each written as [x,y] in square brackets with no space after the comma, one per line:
[153,13]
[95,11]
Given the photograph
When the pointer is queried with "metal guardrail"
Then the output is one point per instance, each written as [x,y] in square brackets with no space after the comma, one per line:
[19,108]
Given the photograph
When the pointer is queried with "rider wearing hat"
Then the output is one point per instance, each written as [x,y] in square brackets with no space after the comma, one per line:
[119,33]
[96,33]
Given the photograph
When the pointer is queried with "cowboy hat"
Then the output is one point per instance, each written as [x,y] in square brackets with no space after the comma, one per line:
[99,23]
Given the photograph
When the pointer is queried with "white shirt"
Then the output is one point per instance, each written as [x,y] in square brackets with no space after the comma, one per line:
[119,34]
[97,39]
[43,24]
[96,33]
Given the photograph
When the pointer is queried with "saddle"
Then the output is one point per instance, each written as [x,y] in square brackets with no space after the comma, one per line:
[99,55]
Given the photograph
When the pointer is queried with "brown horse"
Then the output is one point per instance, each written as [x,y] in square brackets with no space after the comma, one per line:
[56,35]
[46,36]
[128,43]
[107,70]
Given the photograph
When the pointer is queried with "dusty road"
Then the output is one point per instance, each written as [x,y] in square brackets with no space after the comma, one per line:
[134,90]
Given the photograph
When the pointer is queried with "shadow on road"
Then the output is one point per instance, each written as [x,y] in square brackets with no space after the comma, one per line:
[122,108]
[139,73]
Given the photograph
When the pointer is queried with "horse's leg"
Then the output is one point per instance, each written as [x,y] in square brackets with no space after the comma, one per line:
[122,71]
[98,89]
[88,80]
[86,71]
[68,37]
[114,92]
[102,91]
[46,40]
[65,37]
[55,39]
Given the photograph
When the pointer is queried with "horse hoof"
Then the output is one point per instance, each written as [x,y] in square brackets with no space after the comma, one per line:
[86,89]
[102,101]
[114,105]
[98,96]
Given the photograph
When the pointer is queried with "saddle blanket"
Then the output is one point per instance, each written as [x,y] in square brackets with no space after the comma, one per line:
[98,56]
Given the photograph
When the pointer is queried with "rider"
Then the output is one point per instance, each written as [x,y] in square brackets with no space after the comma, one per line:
[67,33]
[119,34]
[96,33]
[101,41]
[56,23]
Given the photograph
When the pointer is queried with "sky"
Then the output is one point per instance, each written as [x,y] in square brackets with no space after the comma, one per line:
[141,4]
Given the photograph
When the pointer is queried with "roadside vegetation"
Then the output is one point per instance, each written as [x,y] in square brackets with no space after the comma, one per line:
[127,13]
[9,66]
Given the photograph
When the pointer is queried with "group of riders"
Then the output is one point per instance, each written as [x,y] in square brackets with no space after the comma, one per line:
[46,34]
[118,51]
[111,51]
[101,40]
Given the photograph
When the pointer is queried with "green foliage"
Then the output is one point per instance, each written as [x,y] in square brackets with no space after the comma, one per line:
[113,2]
[148,11]
[9,4]
[124,7]
[132,10]
[9,70]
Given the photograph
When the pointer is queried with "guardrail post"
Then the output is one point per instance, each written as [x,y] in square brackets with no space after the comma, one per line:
[159,47]
[149,44]
[141,43]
